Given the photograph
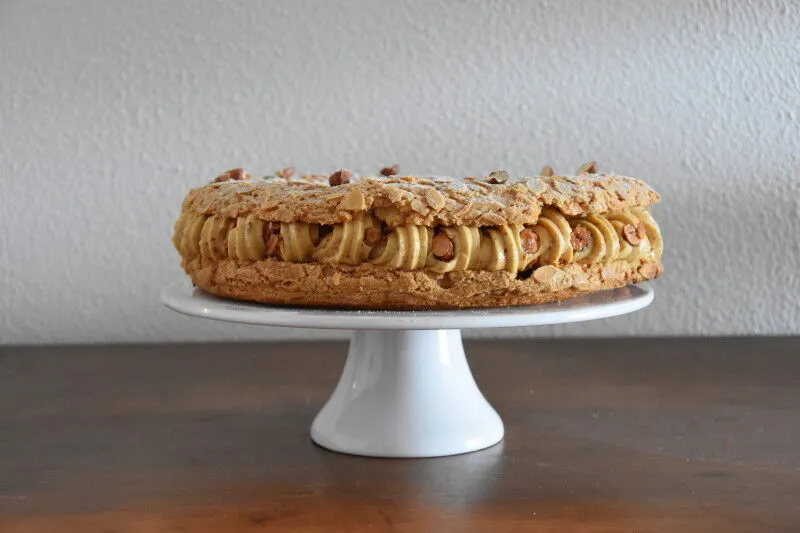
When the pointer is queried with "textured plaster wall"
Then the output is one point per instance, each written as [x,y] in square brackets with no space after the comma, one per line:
[111,110]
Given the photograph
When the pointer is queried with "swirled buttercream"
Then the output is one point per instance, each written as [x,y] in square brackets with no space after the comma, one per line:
[214,237]
[345,244]
[299,241]
[405,247]
[246,239]
[602,239]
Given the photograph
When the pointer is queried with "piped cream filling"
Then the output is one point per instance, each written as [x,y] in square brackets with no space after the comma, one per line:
[300,240]
[406,247]
[410,247]
[345,244]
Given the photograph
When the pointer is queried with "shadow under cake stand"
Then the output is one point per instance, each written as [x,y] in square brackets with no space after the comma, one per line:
[406,389]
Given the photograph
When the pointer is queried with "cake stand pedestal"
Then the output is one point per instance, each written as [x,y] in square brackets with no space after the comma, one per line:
[406,389]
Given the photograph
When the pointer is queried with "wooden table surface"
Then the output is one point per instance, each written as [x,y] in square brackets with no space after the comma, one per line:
[601,435]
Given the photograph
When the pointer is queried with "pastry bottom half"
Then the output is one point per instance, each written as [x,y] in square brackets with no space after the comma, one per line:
[367,286]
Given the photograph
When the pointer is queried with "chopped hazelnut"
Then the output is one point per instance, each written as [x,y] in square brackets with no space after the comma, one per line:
[530,240]
[631,234]
[234,174]
[237,174]
[372,236]
[547,170]
[589,167]
[340,177]
[287,172]
[580,238]
[498,176]
[390,171]
[443,247]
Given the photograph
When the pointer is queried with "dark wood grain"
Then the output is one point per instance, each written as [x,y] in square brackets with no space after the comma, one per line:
[635,435]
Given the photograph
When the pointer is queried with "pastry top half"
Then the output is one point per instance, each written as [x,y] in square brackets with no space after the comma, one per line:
[435,224]
[418,200]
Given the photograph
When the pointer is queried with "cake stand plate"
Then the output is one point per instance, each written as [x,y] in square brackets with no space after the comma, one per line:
[406,389]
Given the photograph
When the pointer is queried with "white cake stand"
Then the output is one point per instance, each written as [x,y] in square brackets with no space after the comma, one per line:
[406,389]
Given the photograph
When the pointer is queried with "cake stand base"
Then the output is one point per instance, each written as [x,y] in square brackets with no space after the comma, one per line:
[407,393]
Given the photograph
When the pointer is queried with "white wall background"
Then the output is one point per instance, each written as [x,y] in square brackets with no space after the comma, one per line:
[111,110]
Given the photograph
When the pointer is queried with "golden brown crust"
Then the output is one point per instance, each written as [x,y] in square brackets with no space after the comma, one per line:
[429,201]
[368,286]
